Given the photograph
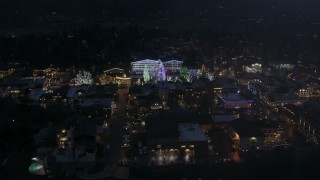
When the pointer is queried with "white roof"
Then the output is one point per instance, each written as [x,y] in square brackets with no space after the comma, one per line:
[191,132]
[172,61]
[156,61]
[146,60]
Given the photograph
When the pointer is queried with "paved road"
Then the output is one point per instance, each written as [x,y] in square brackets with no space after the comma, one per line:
[114,154]
[117,129]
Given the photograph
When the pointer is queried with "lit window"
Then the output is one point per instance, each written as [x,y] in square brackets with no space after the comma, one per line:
[191,146]
[183,146]
[158,146]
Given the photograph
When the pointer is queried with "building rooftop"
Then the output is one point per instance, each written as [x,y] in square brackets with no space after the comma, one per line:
[36,94]
[224,118]
[101,102]
[172,61]
[165,123]
[191,132]
[72,91]
[247,128]
[85,127]
[282,97]
[46,136]
[232,97]
[162,124]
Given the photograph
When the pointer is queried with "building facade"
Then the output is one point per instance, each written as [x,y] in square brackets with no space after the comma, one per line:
[138,67]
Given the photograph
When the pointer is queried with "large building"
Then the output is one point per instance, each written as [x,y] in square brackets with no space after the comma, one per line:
[170,142]
[280,99]
[173,65]
[234,101]
[255,135]
[137,67]
[115,76]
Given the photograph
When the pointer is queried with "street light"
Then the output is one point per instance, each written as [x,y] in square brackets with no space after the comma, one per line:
[35,159]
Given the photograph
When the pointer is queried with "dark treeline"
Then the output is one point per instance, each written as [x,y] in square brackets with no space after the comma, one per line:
[87,46]
[26,13]
[106,46]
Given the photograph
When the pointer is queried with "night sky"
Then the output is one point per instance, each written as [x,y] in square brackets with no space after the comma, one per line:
[28,13]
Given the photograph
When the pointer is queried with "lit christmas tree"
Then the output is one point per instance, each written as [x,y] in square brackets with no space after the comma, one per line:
[161,72]
[203,69]
[184,72]
[146,75]
[210,76]
[189,78]
[199,73]
[83,77]
[169,78]
[139,82]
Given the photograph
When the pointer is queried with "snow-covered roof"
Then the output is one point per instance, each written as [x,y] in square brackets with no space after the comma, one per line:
[73,90]
[191,132]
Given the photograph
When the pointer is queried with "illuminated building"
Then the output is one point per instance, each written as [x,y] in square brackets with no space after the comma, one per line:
[170,142]
[137,67]
[254,68]
[255,135]
[115,76]
[48,72]
[279,99]
[281,65]
[234,101]
[308,121]
[173,65]
[54,77]
[6,72]
[257,87]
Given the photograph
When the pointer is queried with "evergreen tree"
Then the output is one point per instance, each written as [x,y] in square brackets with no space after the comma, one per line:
[146,75]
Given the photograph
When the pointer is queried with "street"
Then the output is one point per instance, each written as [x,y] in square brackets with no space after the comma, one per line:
[118,120]
[114,145]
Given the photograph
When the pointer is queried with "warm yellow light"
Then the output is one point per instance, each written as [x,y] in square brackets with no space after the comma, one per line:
[253,139]
[237,137]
